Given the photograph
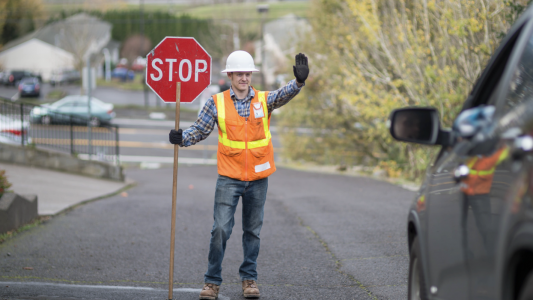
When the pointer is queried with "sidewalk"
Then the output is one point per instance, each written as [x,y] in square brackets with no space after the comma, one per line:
[57,191]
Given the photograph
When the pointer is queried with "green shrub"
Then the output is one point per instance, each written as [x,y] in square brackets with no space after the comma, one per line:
[368,57]
[4,184]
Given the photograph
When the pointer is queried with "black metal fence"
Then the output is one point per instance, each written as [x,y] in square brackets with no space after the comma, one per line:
[32,125]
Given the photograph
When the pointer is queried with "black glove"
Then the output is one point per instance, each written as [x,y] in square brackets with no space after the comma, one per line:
[301,70]
[175,137]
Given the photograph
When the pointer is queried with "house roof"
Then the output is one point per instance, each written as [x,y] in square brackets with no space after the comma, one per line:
[59,33]
[287,30]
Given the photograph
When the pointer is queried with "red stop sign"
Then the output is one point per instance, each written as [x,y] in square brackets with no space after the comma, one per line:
[178,59]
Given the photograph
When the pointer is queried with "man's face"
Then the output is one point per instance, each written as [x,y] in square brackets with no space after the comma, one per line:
[240,80]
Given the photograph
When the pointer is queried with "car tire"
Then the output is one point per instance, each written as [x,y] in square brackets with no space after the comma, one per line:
[45,120]
[527,291]
[417,284]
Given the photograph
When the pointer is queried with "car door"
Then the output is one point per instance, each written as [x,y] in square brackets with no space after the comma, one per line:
[81,110]
[449,213]
[62,113]
[486,190]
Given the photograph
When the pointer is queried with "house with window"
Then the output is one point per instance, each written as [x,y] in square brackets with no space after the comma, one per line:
[60,46]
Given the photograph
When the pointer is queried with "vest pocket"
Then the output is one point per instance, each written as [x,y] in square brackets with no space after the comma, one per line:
[235,131]
[256,131]
[228,151]
[260,152]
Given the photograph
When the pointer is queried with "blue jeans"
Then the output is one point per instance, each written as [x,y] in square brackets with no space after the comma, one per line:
[227,195]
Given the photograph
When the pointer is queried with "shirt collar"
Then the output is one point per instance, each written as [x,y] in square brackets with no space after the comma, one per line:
[251,94]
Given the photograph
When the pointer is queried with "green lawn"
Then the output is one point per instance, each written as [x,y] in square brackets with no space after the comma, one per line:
[239,11]
[246,15]
[135,85]
[232,11]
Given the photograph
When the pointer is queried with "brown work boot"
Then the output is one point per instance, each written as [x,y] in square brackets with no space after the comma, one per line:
[250,289]
[209,292]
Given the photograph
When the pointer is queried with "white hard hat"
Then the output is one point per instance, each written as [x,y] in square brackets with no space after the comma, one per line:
[240,61]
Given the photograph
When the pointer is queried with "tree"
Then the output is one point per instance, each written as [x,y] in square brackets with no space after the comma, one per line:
[18,17]
[371,56]
[81,35]
[135,46]
[157,25]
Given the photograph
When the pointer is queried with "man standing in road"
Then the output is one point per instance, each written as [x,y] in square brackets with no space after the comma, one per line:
[245,159]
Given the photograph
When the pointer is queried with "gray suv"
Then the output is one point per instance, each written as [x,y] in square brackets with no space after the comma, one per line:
[470,227]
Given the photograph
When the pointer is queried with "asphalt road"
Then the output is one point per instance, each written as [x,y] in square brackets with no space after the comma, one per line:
[324,237]
[140,141]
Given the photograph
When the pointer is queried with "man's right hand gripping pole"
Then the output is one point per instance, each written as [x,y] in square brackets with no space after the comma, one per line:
[175,136]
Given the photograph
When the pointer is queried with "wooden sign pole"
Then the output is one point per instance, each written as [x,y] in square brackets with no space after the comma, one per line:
[174,192]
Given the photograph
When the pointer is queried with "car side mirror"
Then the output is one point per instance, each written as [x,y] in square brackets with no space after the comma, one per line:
[420,125]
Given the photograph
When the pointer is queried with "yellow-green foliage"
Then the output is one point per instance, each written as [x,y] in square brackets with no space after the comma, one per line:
[19,17]
[4,184]
[368,57]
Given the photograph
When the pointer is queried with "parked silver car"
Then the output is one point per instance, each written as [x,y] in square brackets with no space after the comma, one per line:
[12,130]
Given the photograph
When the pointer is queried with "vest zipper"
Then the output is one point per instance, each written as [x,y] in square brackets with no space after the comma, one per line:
[246,149]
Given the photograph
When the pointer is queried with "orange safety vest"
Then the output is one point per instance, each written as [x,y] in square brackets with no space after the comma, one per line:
[245,149]
[479,181]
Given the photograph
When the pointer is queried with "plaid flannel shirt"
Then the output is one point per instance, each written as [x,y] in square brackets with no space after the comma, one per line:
[208,117]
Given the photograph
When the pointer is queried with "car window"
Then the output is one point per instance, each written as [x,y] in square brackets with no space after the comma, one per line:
[484,89]
[94,101]
[520,87]
[61,102]
[97,102]
[66,105]
[29,80]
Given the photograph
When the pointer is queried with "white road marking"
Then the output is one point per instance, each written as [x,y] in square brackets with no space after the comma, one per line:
[159,159]
[109,287]
[144,122]
[167,160]
[15,97]
[183,124]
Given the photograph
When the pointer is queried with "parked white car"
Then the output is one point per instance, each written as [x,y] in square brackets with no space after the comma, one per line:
[12,129]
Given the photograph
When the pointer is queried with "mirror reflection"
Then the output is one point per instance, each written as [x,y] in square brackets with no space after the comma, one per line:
[413,125]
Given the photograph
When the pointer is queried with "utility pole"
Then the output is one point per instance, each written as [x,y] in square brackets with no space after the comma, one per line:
[263,10]
[107,56]
[236,40]
[89,121]
[145,88]
[141,25]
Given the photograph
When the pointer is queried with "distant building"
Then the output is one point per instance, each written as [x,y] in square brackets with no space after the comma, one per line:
[59,46]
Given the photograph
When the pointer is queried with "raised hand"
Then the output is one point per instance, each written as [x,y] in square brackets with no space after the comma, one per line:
[301,69]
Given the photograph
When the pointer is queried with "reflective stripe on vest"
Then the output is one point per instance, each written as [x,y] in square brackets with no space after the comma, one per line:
[503,155]
[221,111]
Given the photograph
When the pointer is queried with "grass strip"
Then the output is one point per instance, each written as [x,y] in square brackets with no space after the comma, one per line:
[36,222]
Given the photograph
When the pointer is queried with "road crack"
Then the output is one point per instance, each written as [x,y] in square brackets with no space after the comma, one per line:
[338,264]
